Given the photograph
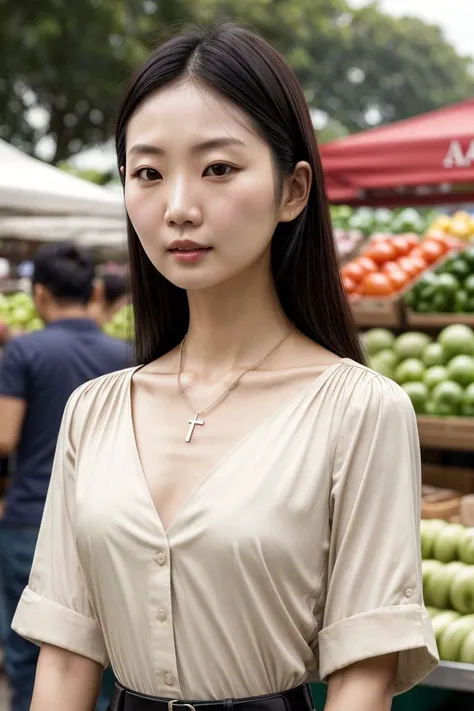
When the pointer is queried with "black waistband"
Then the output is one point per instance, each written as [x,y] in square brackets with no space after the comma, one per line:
[297,699]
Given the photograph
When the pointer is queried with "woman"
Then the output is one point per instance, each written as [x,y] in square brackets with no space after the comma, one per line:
[240,513]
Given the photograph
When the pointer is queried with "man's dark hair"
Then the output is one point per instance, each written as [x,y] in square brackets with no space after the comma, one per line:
[115,286]
[67,271]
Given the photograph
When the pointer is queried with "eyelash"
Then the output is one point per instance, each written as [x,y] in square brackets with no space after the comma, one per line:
[136,173]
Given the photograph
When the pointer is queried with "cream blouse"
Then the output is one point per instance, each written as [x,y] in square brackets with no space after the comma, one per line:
[297,555]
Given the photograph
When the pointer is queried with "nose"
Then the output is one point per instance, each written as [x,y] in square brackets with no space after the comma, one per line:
[181,207]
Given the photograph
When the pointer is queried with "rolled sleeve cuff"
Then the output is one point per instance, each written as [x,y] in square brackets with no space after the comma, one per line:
[405,629]
[39,620]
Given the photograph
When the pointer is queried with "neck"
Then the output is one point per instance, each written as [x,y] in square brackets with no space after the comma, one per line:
[68,312]
[231,326]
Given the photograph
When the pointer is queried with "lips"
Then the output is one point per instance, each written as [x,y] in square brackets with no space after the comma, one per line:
[186,245]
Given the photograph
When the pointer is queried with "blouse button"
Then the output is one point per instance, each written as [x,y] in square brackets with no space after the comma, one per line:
[169,679]
[408,592]
[162,615]
[161,558]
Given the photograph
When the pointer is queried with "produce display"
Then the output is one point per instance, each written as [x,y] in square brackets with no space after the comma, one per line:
[390,263]
[121,325]
[448,587]
[449,289]
[369,221]
[437,375]
[347,242]
[18,313]
[460,225]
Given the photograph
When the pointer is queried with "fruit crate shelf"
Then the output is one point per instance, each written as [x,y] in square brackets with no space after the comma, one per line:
[436,320]
[452,675]
[454,433]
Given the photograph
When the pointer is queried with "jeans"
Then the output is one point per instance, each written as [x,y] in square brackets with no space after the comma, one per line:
[17,547]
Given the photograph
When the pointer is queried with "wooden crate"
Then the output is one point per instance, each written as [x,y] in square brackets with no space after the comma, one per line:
[459,478]
[383,312]
[455,433]
[436,320]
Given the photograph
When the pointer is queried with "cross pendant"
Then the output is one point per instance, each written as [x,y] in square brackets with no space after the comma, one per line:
[192,424]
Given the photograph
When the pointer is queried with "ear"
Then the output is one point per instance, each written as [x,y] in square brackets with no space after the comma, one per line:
[122,169]
[98,292]
[296,192]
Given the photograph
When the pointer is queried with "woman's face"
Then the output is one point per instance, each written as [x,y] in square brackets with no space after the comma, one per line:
[200,187]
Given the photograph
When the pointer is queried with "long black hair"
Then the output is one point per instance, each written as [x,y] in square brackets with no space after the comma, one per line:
[242,67]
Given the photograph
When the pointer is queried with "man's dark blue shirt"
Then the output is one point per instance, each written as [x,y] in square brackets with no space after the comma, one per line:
[44,368]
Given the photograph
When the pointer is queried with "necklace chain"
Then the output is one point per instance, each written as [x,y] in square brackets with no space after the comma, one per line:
[231,386]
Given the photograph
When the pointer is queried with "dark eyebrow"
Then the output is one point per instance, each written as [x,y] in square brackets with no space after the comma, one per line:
[212,143]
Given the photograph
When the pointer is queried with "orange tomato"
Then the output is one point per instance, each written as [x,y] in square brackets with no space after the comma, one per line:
[401,245]
[432,251]
[368,265]
[412,239]
[417,252]
[381,252]
[376,284]
[398,278]
[443,239]
[390,267]
[354,271]
[420,262]
[348,284]
[407,264]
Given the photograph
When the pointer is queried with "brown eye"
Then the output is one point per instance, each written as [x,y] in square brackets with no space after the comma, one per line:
[219,170]
[148,175]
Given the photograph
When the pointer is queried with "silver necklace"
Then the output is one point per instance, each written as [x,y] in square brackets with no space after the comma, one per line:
[197,416]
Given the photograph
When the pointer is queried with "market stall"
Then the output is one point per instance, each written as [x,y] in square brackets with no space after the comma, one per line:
[30,186]
[381,167]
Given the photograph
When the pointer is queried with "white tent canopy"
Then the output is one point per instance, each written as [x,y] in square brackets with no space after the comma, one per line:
[85,230]
[28,185]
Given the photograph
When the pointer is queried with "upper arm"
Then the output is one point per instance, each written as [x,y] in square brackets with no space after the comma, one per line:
[13,395]
[374,603]
[65,680]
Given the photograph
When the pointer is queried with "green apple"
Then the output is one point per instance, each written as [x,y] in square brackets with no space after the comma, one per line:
[428,567]
[462,590]
[466,653]
[466,546]
[446,545]
[452,638]
[429,529]
[438,589]
[441,622]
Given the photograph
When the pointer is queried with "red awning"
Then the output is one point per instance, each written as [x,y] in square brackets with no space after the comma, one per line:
[429,158]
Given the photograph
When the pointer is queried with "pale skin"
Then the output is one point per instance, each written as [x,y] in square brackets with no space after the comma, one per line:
[196,169]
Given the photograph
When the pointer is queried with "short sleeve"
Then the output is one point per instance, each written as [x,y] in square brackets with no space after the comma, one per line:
[55,607]
[374,600]
[14,371]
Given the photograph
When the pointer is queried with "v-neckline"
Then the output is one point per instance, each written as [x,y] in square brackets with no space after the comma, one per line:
[292,402]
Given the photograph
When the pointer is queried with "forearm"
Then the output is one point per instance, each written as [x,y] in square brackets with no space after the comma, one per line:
[365,686]
[65,681]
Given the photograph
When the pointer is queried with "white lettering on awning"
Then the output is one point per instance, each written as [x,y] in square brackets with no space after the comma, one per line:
[456,158]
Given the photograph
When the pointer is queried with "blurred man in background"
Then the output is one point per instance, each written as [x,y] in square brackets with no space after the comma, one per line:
[111,293]
[38,373]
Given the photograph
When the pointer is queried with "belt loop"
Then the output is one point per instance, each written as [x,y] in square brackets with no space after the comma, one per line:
[228,704]
[117,702]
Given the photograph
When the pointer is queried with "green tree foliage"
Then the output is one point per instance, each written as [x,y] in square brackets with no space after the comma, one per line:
[63,64]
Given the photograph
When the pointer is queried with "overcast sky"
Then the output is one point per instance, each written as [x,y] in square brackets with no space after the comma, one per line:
[455,17]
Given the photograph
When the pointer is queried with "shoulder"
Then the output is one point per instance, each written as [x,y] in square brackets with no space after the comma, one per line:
[373,397]
[98,392]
